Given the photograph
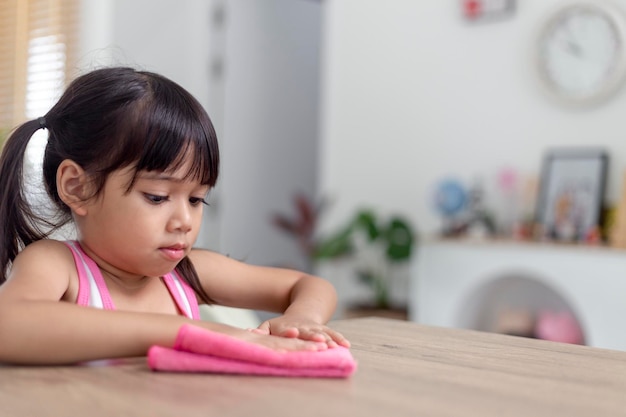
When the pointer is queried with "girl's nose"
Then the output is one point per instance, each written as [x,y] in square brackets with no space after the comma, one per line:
[181,219]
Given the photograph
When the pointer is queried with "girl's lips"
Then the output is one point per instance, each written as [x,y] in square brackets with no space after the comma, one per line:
[173,253]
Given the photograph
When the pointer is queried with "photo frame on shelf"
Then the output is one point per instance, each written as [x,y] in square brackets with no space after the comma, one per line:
[571,195]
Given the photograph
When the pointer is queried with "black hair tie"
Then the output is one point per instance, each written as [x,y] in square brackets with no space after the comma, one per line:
[42,123]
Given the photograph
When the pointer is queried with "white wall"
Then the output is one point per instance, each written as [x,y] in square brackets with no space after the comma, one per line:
[167,36]
[412,94]
[270,123]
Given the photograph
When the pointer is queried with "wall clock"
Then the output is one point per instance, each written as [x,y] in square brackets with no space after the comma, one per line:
[580,52]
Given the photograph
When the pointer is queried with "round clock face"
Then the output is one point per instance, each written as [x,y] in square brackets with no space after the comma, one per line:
[581,52]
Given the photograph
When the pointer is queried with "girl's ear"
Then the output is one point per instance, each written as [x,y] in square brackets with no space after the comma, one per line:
[72,186]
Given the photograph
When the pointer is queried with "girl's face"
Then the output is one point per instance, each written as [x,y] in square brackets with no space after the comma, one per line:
[147,231]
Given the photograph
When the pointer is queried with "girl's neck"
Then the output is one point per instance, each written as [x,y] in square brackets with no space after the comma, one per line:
[125,283]
[115,276]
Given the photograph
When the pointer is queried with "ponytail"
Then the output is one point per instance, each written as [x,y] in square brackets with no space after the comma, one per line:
[20,226]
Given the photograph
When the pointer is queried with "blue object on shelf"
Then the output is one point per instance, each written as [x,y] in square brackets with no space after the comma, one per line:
[450,198]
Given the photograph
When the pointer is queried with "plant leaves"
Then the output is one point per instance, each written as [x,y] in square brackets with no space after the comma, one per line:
[366,220]
[400,240]
[284,224]
[307,214]
[366,277]
[335,246]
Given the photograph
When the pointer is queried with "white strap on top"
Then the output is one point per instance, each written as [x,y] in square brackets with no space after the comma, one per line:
[92,290]
[183,295]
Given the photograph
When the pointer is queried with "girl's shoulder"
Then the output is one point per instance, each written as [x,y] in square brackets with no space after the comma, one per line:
[43,246]
[44,269]
[46,253]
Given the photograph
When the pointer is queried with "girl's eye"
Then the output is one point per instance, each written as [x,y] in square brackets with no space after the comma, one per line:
[196,201]
[156,199]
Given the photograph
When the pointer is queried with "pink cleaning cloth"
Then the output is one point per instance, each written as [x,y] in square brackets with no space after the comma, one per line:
[200,350]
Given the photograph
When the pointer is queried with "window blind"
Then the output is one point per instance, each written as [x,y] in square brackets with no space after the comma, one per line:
[38,48]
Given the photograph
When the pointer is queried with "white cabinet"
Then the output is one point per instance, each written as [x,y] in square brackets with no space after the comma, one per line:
[460,283]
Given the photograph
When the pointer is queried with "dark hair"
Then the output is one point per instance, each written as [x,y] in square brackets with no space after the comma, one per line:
[107,119]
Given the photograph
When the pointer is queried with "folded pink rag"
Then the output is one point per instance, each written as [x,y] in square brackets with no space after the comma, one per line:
[200,350]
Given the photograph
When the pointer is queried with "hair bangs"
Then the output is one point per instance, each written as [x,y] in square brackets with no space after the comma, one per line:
[179,135]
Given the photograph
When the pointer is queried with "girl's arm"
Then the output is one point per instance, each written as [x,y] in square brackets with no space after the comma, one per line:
[36,327]
[305,301]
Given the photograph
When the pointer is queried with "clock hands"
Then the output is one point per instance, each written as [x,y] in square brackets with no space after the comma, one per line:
[573,48]
[571,44]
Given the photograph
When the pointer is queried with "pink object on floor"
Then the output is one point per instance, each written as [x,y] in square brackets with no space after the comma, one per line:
[201,350]
[559,326]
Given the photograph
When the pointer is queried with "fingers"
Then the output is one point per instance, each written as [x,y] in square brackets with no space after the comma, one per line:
[324,334]
[259,331]
[267,328]
[312,333]
[264,328]
[340,339]
[275,342]
[292,344]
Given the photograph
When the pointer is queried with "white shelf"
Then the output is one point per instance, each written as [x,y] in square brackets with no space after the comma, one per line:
[450,280]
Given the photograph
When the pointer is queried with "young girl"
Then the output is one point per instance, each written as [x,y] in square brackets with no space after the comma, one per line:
[130,159]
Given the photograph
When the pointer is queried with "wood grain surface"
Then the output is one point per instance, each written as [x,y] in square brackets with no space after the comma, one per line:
[405,369]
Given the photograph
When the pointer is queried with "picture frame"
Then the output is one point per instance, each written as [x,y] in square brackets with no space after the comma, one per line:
[571,193]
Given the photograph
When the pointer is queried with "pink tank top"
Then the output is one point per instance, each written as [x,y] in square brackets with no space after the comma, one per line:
[93,292]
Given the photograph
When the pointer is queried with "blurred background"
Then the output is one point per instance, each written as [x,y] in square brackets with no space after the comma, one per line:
[326,109]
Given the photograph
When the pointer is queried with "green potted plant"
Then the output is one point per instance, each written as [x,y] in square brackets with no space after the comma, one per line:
[375,246]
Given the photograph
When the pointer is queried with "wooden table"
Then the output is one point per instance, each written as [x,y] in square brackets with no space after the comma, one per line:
[405,369]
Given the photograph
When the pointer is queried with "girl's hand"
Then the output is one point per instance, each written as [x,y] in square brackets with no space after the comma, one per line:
[300,328]
[272,341]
